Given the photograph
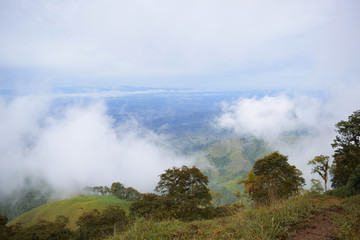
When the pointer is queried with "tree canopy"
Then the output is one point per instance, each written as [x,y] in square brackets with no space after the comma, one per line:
[321,166]
[117,189]
[250,183]
[277,179]
[347,150]
[186,188]
[183,195]
[95,224]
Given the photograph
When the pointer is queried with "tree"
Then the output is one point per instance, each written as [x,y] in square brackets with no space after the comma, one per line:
[347,150]
[316,186]
[44,230]
[353,184]
[114,220]
[95,224]
[321,166]
[117,189]
[89,225]
[277,178]
[187,189]
[131,194]
[216,197]
[5,232]
[152,206]
[99,189]
[107,190]
[183,195]
[251,183]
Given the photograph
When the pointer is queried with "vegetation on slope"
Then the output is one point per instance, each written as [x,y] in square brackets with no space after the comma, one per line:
[281,210]
[231,159]
[276,222]
[32,194]
[71,208]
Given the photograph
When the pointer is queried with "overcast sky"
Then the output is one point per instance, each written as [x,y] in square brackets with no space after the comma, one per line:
[278,44]
[306,52]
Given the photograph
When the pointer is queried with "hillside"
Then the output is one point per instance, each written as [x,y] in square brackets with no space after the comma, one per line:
[303,217]
[230,159]
[71,208]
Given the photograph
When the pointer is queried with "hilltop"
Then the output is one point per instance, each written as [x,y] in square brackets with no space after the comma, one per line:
[71,208]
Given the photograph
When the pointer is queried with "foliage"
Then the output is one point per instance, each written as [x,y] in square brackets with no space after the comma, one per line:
[340,192]
[152,206]
[184,195]
[258,223]
[71,208]
[3,220]
[42,230]
[321,166]
[91,225]
[131,194]
[186,191]
[348,222]
[117,189]
[103,190]
[94,224]
[232,158]
[353,184]
[251,183]
[277,179]
[4,231]
[31,195]
[347,150]
[350,189]
[316,186]
[122,192]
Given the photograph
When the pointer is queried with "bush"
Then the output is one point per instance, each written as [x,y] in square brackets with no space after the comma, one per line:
[94,224]
[44,230]
[353,184]
[341,192]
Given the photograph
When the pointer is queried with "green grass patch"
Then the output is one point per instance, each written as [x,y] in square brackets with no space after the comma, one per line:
[71,208]
[260,223]
[348,221]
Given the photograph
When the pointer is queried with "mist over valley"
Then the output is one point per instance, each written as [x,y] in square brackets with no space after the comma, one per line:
[71,138]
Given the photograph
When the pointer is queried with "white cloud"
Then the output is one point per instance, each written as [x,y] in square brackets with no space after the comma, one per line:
[77,147]
[270,117]
[309,116]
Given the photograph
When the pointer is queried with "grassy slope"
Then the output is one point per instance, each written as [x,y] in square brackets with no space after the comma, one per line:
[71,208]
[261,223]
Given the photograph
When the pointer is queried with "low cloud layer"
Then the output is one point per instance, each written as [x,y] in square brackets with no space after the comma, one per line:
[270,117]
[277,118]
[77,146]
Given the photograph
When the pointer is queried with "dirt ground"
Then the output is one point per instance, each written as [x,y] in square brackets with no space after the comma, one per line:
[318,227]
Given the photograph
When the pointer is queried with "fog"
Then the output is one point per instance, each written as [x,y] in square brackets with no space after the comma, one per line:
[77,145]
[279,117]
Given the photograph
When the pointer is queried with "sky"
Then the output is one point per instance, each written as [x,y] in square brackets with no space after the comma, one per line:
[306,52]
[215,44]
